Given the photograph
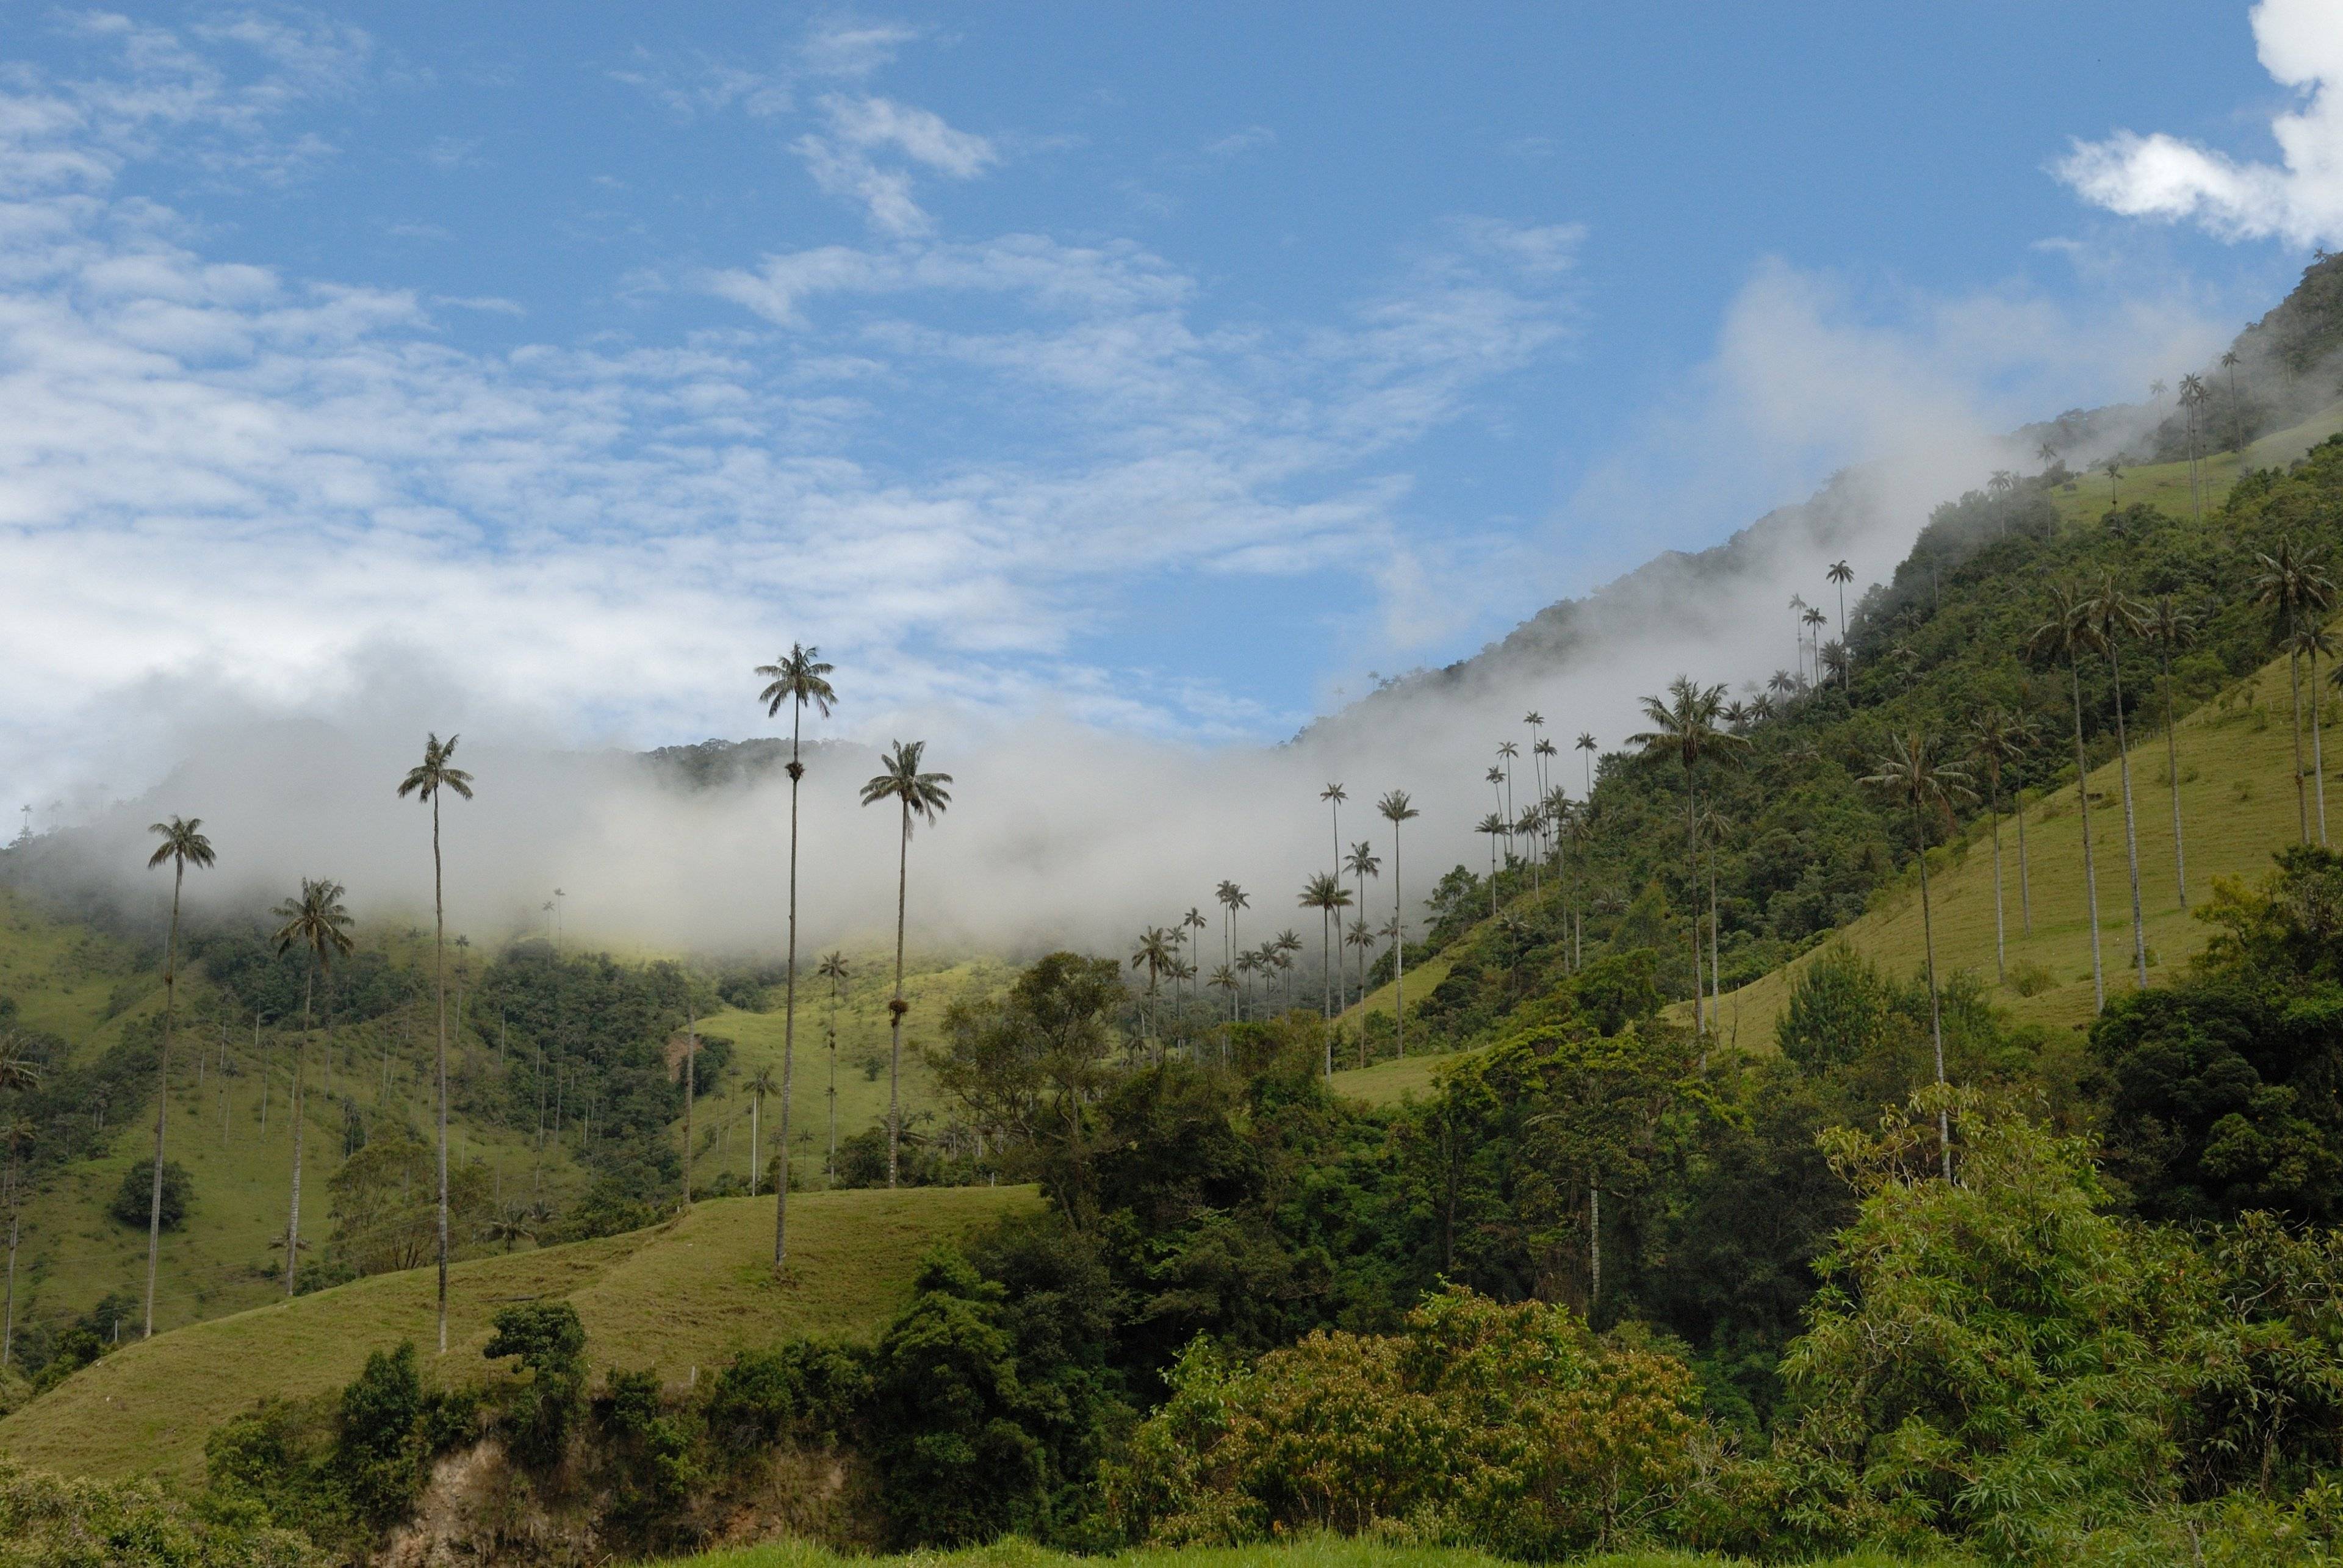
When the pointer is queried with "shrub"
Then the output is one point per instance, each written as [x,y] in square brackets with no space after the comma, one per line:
[1508,1426]
[551,1345]
[47,1520]
[133,1199]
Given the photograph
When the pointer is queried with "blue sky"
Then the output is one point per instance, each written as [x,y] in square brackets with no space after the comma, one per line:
[1165,368]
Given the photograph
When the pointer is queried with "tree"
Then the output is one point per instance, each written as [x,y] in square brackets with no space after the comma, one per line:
[1232,899]
[833,970]
[2113,469]
[1288,943]
[2170,627]
[1493,825]
[182,842]
[1334,795]
[2312,641]
[920,796]
[1683,725]
[2068,634]
[1816,620]
[2115,615]
[1157,956]
[1324,892]
[1586,746]
[2292,584]
[1395,809]
[426,780]
[1997,740]
[17,1132]
[799,677]
[314,921]
[2193,397]
[1839,575]
[2237,424]
[1363,863]
[1909,772]
[758,1085]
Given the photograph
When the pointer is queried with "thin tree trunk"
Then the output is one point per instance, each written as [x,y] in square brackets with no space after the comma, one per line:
[163,1096]
[301,1055]
[789,1007]
[1326,962]
[690,1085]
[2131,835]
[1692,854]
[897,1007]
[2317,751]
[2090,876]
[2000,929]
[1936,1012]
[756,1141]
[2294,677]
[832,1171]
[8,1327]
[2024,883]
[2172,777]
[1399,954]
[439,984]
[1594,1249]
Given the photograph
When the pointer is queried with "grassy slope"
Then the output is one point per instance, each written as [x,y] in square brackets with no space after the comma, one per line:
[683,1295]
[1318,1552]
[2237,799]
[860,1058]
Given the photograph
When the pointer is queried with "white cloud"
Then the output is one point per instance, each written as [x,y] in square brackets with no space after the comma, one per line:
[1242,141]
[2299,199]
[837,48]
[843,163]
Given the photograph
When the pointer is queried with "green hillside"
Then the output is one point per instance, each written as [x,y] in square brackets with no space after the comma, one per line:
[683,1295]
[1326,1552]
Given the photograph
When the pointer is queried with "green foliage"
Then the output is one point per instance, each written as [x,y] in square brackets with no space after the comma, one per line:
[385,1205]
[49,1522]
[382,1448]
[1511,1427]
[133,1199]
[807,1389]
[550,1343]
[1837,1012]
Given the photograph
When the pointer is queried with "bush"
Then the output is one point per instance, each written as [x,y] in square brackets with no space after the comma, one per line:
[133,1199]
[47,1520]
[550,1342]
[1508,1426]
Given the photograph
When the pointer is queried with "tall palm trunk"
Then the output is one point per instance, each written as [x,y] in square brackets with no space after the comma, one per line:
[897,1007]
[2131,835]
[2000,929]
[1399,954]
[300,1061]
[756,1141]
[691,1088]
[833,1169]
[8,1324]
[788,1006]
[1935,1010]
[439,984]
[1326,962]
[2090,875]
[1715,969]
[2172,777]
[2025,883]
[2294,677]
[1692,856]
[162,1098]
[2317,751]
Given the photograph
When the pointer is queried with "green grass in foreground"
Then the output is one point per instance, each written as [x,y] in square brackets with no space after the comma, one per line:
[681,1295]
[1322,1551]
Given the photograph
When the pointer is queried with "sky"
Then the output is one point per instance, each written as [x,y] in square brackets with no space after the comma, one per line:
[1160,371]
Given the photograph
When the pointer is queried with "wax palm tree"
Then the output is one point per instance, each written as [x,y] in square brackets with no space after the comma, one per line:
[17,1132]
[511,1227]
[182,844]
[1713,831]
[1835,662]
[2292,584]
[1782,684]
[1839,575]
[1585,746]
[2068,634]
[1397,808]
[2113,469]
[2115,615]
[1996,741]
[1157,956]
[1909,772]
[1494,827]
[427,780]
[1798,608]
[1547,752]
[1324,892]
[1289,949]
[1495,779]
[1224,978]
[1362,863]
[1534,722]
[2312,641]
[833,969]
[800,679]
[1506,752]
[1197,923]
[1232,899]
[317,922]
[1361,936]
[1248,965]
[1683,725]
[760,1084]
[2170,629]
[1816,620]
[2236,426]
[920,796]
[1334,795]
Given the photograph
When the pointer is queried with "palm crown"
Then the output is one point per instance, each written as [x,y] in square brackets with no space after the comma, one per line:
[183,841]
[434,772]
[920,795]
[316,919]
[799,677]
